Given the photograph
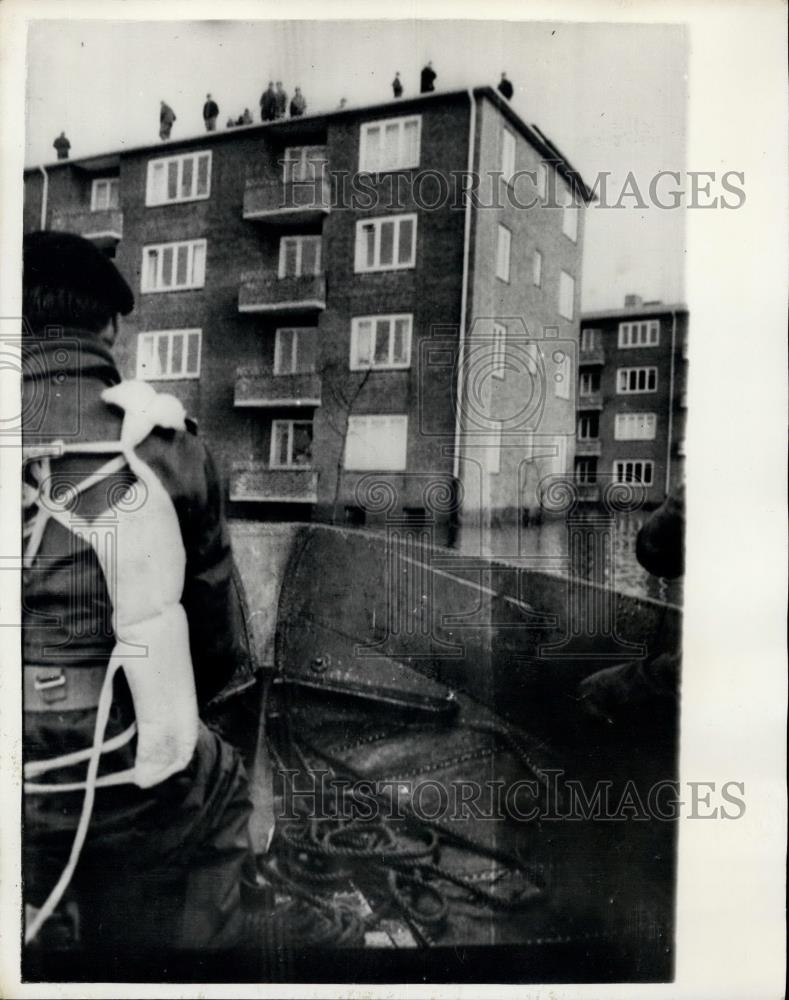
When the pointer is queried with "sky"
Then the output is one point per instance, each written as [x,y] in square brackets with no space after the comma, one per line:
[612,98]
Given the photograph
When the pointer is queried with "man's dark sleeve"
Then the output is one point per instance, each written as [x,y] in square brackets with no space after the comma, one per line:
[213,599]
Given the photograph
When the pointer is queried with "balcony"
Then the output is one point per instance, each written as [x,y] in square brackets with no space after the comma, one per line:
[104,226]
[591,356]
[261,389]
[590,401]
[255,482]
[287,203]
[588,492]
[265,293]
[587,446]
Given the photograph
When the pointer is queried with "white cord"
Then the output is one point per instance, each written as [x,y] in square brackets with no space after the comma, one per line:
[102,717]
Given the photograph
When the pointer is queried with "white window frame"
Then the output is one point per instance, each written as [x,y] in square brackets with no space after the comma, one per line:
[624,376]
[357,364]
[299,240]
[620,470]
[151,198]
[508,154]
[360,267]
[295,168]
[635,426]
[564,289]
[195,274]
[290,424]
[536,269]
[585,471]
[499,351]
[98,184]
[403,162]
[154,338]
[377,463]
[590,338]
[587,419]
[639,333]
[503,252]
[298,334]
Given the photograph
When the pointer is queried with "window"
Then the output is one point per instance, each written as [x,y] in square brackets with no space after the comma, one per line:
[569,216]
[590,339]
[586,471]
[499,350]
[172,266]
[635,426]
[633,471]
[376,442]
[387,244]
[507,154]
[168,354]
[645,333]
[536,268]
[589,427]
[588,383]
[291,444]
[636,380]
[303,163]
[178,178]
[566,295]
[299,255]
[503,253]
[390,144]
[294,350]
[381,341]
[104,193]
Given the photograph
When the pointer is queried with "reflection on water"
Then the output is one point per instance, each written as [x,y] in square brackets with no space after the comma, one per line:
[603,550]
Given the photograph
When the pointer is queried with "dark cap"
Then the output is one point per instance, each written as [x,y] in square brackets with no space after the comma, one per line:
[70,262]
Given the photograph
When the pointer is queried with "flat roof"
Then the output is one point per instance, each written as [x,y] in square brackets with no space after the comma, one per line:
[537,138]
[646,309]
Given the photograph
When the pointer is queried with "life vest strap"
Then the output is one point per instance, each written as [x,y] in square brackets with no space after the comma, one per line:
[35,767]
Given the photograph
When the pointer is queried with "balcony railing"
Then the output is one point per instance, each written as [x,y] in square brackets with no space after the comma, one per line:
[104,227]
[288,202]
[590,401]
[588,492]
[255,482]
[587,446]
[591,356]
[265,293]
[260,388]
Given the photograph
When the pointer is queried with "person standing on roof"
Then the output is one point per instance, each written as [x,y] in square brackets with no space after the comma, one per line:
[397,86]
[427,80]
[210,113]
[62,145]
[166,119]
[281,97]
[268,103]
[505,87]
[246,118]
[146,618]
[298,105]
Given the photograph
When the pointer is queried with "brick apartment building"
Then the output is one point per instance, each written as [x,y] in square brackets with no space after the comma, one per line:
[311,287]
[632,390]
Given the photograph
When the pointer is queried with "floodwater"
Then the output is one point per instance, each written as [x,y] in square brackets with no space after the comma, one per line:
[604,550]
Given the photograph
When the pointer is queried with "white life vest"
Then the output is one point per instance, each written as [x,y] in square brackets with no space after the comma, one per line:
[139,547]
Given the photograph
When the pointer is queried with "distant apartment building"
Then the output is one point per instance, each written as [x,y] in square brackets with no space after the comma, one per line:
[632,398]
[352,337]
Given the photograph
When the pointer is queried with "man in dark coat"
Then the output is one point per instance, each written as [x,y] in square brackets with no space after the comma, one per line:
[427,80]
[298,105]
[505,87]
[268,103]
[210,113]
[397,86]
[62,145]
[160,867]
[166,119]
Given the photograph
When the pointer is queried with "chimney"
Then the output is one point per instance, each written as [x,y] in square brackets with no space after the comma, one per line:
[633,301]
